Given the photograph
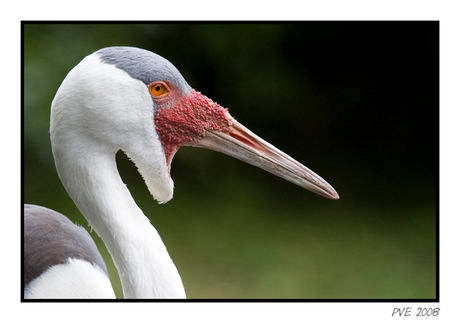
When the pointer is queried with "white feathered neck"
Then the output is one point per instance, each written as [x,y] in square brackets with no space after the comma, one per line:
[98,110]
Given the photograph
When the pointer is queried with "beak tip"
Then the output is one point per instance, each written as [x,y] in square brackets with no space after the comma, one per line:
[335,196]
[331,194]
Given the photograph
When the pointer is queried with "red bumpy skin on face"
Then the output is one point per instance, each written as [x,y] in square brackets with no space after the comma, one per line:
[188,120]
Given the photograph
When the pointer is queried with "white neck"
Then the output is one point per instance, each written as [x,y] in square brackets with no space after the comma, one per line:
[145,267]
[98,110]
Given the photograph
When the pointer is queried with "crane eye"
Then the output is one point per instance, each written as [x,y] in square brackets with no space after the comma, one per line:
[157,89]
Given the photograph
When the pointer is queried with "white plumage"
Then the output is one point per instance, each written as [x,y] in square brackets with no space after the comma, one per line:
[74,279]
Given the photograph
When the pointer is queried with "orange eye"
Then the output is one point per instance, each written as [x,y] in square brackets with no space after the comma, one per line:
[158,89]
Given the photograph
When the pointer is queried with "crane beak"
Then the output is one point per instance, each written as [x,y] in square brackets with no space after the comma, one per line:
[241,143]
[196,120]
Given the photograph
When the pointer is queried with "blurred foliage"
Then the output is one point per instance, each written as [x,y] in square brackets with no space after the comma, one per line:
[357,102]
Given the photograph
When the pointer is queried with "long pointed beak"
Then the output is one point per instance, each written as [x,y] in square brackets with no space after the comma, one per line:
[241,143]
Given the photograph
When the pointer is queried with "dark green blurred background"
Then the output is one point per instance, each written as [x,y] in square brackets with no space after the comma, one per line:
[357,102]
